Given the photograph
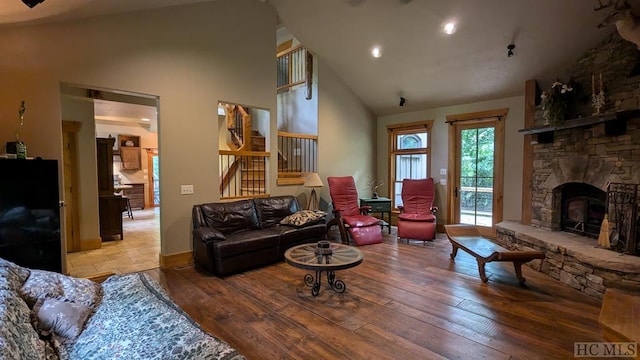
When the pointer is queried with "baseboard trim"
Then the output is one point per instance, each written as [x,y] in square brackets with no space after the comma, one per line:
[176,260]
[90,244]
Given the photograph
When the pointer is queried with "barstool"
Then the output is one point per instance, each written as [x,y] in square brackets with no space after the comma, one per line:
[127,204]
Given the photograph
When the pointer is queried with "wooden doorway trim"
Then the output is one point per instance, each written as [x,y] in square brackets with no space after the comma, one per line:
[531,94]
[477,118]
[70,131]
[150,154]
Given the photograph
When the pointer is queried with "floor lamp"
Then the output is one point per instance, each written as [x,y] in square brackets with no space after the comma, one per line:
[313,181]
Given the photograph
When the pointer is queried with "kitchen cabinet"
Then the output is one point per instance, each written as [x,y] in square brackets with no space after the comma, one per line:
[135,194]
[110,206]
[104,159]
[129,152]
[130,158]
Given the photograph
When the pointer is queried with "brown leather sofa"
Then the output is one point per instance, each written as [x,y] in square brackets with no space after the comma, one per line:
[235,236]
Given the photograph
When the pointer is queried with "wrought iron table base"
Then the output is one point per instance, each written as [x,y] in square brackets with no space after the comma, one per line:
[337,285]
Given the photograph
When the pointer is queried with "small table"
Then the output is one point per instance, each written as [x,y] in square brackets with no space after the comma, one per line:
[310,257]
[379,205]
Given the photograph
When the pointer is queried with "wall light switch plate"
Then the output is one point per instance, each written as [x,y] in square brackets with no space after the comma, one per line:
[443,181]
[186,189]
[443,171]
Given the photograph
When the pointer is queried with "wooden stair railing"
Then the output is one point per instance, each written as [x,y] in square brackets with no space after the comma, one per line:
[244,173]
[240,176]
[297,156]
[239,125]
[294,67]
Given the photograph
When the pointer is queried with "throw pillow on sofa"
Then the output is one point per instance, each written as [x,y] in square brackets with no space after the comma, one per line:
[303,218]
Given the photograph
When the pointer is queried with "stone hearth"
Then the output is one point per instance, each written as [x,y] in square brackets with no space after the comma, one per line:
[572,259]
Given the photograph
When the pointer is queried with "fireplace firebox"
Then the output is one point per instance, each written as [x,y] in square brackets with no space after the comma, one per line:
[583,209]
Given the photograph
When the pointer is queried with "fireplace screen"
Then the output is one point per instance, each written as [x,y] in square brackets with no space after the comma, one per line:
[583,209]
[623,218]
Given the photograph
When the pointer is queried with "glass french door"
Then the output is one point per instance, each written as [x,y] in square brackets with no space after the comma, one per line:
[476,170]
[476,176]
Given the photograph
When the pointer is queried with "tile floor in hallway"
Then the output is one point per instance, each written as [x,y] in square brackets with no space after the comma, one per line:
[139,250]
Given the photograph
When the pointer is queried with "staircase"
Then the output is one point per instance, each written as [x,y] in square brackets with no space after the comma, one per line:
[258,142]
[253,176]
[253,171]
[245,174]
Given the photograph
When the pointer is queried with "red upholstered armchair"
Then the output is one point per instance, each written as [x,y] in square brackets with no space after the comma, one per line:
[349,216]
[417,219]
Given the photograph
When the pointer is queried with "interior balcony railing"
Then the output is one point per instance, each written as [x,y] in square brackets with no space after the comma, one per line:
[294,67]
[297,156]
[243,174]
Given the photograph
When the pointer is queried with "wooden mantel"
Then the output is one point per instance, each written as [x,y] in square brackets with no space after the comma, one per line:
[614,124]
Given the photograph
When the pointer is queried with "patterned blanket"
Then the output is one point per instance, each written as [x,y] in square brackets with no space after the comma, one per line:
[47,315]
[137,320]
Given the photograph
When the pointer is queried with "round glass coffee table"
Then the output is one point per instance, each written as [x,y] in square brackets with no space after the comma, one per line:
[323,256]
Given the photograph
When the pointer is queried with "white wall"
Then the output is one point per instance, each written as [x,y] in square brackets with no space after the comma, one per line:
[188,56]
[346,132]
[440,143]
[296,114]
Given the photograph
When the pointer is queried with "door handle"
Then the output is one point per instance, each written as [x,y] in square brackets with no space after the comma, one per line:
[456,191]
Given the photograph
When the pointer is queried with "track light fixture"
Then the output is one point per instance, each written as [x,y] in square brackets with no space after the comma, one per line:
[402,100]
[32,3]
[510,48]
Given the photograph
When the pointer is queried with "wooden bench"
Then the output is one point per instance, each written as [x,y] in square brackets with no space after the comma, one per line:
[467,238]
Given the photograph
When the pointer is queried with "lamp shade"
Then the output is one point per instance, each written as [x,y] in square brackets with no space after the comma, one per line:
[313,180]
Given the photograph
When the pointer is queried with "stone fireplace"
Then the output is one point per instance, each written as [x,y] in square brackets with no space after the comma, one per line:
[571,178]
[582,208]
[577,165]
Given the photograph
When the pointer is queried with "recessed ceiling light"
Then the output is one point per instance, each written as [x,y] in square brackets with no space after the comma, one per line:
[376,52]
[450,28]
[145,119]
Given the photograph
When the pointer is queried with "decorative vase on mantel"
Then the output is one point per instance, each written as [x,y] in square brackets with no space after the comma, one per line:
[374,195]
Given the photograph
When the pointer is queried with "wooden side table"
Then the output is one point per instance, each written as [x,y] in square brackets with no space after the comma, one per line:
[379,205]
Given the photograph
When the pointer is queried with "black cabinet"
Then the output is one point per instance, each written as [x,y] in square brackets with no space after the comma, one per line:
[110,208]
[110,205]
[104,159]
[30,213]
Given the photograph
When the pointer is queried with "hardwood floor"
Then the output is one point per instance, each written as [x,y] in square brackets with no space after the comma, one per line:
[405,301]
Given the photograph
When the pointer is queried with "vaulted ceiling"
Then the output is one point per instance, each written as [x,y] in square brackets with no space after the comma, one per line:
[419,61]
